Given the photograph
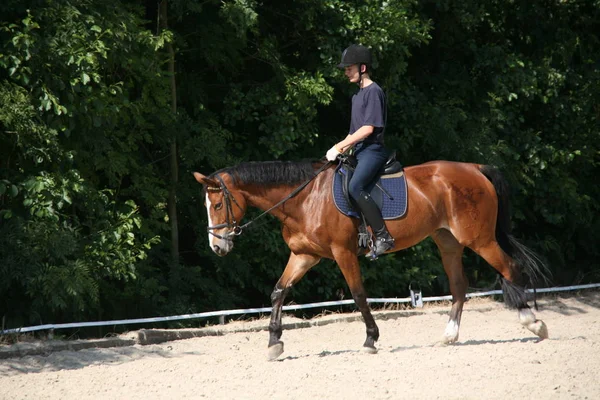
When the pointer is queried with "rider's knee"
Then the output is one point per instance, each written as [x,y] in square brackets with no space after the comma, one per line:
[354,190]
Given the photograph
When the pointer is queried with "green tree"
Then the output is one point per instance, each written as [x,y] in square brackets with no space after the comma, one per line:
[92,128]
[75,112]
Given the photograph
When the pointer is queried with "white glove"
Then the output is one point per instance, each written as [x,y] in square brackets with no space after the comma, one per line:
[332,154]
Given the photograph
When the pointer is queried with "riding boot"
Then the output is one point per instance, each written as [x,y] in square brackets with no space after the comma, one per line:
[383,240]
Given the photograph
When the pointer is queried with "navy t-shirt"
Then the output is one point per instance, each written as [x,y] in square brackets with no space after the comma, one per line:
[368,108]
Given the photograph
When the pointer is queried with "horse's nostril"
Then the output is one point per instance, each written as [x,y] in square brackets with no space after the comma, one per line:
[216,248]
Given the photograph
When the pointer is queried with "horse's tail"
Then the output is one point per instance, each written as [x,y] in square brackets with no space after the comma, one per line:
[527,267]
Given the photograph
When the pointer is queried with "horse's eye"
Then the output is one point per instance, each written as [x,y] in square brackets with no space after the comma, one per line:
[218,206]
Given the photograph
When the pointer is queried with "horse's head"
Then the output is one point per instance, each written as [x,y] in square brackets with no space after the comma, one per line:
[226,207]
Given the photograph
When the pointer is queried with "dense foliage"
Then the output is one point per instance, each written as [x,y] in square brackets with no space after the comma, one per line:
[87,126]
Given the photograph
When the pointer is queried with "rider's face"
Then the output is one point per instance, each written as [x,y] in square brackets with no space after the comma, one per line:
[351,72]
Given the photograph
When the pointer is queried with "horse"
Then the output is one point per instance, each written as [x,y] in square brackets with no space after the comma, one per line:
[457,204]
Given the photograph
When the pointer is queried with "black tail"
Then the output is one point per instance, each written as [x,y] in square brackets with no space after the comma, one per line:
[528,268]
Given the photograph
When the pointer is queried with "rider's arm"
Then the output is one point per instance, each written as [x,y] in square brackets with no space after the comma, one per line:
[360,134]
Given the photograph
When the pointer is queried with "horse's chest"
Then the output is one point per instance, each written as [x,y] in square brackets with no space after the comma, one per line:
[300,242]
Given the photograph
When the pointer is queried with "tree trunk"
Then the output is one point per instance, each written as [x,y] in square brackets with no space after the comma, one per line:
[174,165]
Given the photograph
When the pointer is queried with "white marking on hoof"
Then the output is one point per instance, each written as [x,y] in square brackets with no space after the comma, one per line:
[275,351]
[369,350]
[451,333]
[539,328]
[526,316]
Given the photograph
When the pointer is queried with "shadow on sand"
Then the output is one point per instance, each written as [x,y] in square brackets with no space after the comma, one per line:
[557,304]
[73,360]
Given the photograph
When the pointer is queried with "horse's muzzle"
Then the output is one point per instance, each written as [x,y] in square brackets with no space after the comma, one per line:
[223,247]
[219,250]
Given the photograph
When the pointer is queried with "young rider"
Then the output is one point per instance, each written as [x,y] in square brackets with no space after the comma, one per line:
[367,126]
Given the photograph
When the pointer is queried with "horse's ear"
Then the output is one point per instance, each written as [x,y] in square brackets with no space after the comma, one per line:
[205,181]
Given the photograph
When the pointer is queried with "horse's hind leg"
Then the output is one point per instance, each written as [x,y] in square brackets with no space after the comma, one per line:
[452,252]
[515,295]
[297,266]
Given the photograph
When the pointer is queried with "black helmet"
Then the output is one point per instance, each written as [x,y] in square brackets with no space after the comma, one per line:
[355,54]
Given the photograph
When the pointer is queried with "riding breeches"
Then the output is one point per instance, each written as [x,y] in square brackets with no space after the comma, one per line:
[370,160]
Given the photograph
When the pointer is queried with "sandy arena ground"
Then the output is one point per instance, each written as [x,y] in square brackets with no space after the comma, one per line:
[496,358]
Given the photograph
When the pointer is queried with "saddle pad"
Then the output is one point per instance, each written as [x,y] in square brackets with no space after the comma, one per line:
[394,184]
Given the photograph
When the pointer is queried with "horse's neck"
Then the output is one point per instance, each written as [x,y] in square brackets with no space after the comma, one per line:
[265,197]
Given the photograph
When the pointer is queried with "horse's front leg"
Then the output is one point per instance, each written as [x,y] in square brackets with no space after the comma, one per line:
[348,263]
[297,266]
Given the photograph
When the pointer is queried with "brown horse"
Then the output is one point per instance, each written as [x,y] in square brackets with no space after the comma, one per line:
[458,204]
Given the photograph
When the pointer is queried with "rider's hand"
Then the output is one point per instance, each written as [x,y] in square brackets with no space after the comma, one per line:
[332,154]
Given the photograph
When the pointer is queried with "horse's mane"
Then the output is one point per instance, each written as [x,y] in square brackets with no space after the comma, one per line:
[272,172]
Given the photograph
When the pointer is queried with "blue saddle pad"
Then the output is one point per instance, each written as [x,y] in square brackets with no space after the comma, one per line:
[391,208]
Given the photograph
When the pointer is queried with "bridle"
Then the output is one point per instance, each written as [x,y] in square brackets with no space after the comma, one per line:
[230,216]
[231,223]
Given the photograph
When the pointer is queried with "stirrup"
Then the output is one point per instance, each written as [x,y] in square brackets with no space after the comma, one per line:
[380,246]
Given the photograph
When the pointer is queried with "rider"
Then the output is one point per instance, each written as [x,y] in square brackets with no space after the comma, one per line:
[367,125]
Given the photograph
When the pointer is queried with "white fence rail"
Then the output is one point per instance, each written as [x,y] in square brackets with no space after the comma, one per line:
[389,300]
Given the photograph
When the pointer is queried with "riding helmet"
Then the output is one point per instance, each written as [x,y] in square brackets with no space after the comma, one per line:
[355,54]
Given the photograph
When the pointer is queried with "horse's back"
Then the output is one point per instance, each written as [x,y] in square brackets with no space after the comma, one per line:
[443,167]
[440,175]
[445,173]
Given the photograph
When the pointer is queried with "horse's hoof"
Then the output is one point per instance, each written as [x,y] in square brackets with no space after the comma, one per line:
[275,351]
[369,350]
[447,340]
[539,328]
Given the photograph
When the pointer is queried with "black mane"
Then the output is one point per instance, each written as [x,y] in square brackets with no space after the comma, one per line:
[271,172]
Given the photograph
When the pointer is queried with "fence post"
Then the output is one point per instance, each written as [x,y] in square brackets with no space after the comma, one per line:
[416,298]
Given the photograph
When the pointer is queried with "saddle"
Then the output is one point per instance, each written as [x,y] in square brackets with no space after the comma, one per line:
[388,190]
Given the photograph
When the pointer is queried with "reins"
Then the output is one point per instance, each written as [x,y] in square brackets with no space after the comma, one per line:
[237,229]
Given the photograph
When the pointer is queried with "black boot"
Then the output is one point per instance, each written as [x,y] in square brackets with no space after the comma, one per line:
[383,240]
